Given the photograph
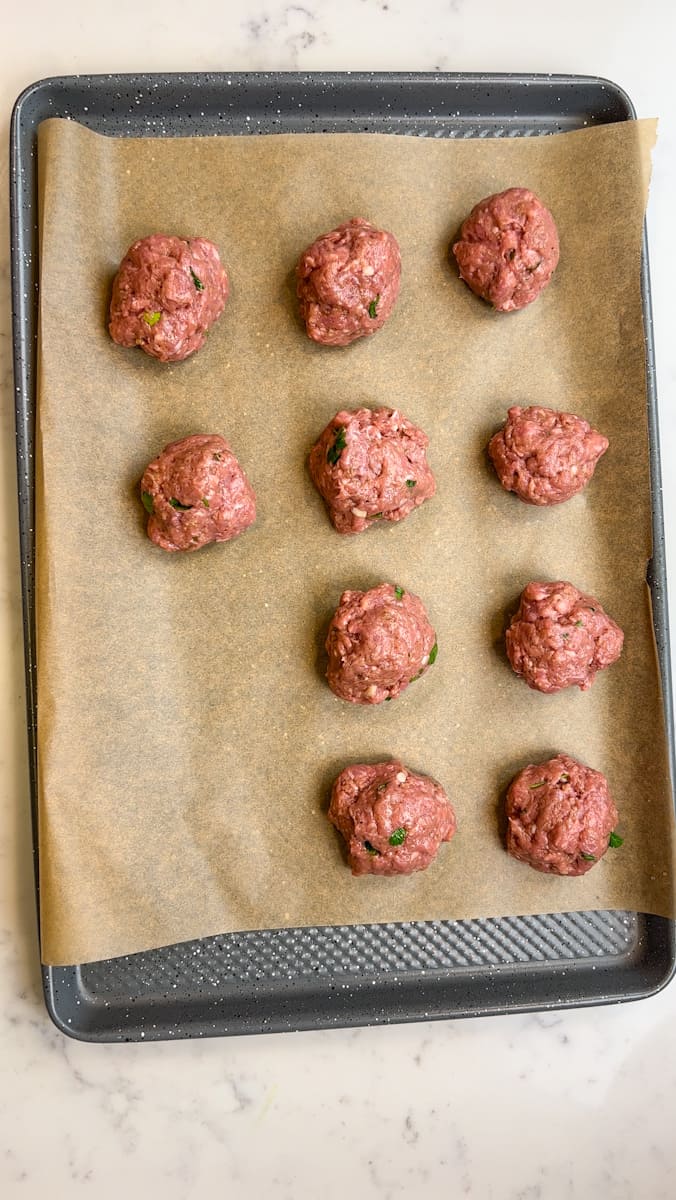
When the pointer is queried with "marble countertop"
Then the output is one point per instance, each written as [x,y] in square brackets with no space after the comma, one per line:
[572,1104]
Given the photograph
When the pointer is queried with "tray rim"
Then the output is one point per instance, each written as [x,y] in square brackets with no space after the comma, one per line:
[198,78]
[23,299]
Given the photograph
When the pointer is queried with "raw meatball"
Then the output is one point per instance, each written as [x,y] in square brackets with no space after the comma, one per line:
[370,464]
[545,456]
[196,493]
[378,642]
[560,816]
[508,249]
[166,294]
[560,637]
[393,820]
[347,282]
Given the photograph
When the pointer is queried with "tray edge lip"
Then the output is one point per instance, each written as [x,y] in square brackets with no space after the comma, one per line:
[494,1010]
[560,78]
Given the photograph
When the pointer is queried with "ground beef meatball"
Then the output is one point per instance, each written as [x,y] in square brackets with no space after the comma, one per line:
[378,642]
[347,282]
[196,493]
[392,819]
[545,456]
[508,249]
[166,295]
[370,465]
[560,816]
[560,637]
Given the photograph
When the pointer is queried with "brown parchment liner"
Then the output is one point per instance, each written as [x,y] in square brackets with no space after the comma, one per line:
[187,739]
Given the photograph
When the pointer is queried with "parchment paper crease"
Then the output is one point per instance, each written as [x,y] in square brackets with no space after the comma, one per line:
[187,739]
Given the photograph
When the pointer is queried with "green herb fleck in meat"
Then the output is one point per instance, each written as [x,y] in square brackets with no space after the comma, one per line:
[337,447]
[578,623]
[197,282]
[398,837]
[177,504]
[615,840]
[373,307]
[411,483]
[205,502]
[371,849]
[588,857]
[432,658]
[147,502]
[565,778]
[533,786]
[151,318]
[399,592]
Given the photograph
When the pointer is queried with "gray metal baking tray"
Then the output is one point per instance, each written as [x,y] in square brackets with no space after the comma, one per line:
[366,974]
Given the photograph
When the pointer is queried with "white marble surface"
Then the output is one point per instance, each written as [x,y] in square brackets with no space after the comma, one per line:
[576,1105]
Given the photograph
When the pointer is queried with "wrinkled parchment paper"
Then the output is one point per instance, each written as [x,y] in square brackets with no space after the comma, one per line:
[187,738]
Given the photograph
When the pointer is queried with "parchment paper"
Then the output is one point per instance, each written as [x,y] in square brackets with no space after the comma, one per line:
[187,739]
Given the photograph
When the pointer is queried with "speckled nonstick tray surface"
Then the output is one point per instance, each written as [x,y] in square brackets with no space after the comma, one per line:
[274,980]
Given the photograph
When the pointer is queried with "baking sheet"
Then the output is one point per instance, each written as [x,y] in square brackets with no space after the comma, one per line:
[187,740]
